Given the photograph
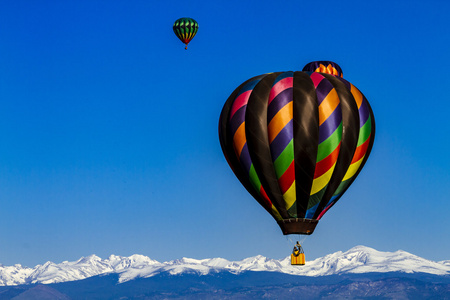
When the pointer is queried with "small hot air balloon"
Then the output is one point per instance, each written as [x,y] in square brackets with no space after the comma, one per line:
[185,29]
[297,141]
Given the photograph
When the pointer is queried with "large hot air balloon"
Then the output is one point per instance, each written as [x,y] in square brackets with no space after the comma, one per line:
[297,141]
[185,29]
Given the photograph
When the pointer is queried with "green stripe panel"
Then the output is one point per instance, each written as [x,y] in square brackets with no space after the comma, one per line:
[285,159]
[316,198]
[342,186]
[178,31]
[329,145]
[364,133]
[292,211]
[254,179]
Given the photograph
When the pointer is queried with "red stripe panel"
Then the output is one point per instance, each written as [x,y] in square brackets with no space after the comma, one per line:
[266,198]
[324,211]
[361,151]
[325,164]
[288,177]
[280,86]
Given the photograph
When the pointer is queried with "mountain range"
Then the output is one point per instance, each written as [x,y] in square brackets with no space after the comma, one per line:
[358,269]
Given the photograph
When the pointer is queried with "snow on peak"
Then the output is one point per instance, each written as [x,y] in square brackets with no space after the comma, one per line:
[120,263]
[255,263]
[359,259]
[445,262]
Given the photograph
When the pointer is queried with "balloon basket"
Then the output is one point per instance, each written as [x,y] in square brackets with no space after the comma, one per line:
[298,260]
[298,255]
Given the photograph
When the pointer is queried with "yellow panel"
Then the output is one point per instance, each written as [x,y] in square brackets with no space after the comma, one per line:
[352,169]
[320,182]
[276,214]
[290,196]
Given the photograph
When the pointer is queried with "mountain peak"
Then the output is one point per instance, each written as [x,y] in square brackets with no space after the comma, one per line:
[88,259]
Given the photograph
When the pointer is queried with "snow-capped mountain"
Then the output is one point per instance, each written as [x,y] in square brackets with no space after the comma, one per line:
[359,259]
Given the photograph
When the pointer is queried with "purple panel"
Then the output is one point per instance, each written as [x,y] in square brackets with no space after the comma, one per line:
[279,102]
[245,159]
[282,140]
[363,112]
[329,126]
[237,119]
[323,89]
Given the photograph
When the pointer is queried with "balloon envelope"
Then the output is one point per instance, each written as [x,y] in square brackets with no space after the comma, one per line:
[297,140]
[185,29]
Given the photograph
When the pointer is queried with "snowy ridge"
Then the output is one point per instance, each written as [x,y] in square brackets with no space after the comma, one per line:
[359,259]
[445,262]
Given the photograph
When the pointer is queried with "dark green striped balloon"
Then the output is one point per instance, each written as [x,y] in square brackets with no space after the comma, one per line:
[185,29]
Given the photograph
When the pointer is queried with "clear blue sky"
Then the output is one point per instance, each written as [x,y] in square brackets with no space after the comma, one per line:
[108,127]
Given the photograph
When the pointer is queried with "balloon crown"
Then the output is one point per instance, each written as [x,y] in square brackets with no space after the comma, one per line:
[324,66]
